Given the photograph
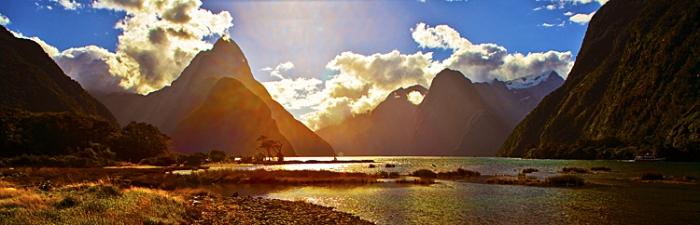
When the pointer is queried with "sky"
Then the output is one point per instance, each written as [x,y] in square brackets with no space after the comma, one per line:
[323,60]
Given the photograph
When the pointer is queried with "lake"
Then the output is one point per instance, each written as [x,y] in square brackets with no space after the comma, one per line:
[615,199]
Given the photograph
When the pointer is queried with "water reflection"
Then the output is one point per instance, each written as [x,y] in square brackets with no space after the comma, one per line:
[617,200]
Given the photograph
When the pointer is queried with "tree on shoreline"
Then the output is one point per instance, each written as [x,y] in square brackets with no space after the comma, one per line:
[269,145]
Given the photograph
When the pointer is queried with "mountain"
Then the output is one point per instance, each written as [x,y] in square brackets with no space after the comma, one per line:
[30,80]
[386,130]
[165,108]
[231,119]
[456,117]
[633,89]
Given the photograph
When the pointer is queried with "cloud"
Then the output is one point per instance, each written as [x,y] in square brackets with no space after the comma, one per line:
[358,83]
[90,66]
[279,69]
[582,18]
[549,25]
[49,49]
[158,40]
[415,97]
[4,20]
[67,4]
[568,14]
[601,2]
[486,62]
[296,93]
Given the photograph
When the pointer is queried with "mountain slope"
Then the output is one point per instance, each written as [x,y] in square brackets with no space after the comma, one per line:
[456,117]
[633,89]
[165,108]
[31,80]
[386,130]
[230,119]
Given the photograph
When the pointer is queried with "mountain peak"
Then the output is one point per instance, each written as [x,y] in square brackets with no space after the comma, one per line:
[534,80]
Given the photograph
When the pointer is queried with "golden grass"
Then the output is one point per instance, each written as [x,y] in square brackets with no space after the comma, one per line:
[90,204]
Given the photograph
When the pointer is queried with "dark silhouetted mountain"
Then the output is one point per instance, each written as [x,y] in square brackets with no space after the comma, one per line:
[165,108]
[386,130]
[30,80]
[456,117]
[231,118]
[635,88]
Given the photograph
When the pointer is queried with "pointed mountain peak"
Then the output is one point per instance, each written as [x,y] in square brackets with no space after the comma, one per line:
[448,77]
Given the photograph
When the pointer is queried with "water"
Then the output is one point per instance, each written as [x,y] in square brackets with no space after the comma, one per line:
[616,200]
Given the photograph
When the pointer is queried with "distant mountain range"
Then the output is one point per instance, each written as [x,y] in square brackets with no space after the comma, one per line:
[189,97]
[456,117]
[30,80]
[634,89]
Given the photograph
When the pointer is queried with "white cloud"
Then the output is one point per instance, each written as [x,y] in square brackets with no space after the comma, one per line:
[486,62]
[415,97]
[568,14]
[279,69]
[582,18]
[158,40]
[601,2]
[361,82]
[67,4]
[549,25]
[296,93]
[49,49]
[4,20]
[440,36]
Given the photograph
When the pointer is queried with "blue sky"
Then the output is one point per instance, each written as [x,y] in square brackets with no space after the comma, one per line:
[322,60]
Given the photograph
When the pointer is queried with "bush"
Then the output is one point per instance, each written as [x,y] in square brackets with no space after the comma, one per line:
[651,176]
[162,160]
[530,170]
[384,174]
[601,168]
[574,170]
[424,173]
[217,156]
[67,202]
[138,141]
[565,181]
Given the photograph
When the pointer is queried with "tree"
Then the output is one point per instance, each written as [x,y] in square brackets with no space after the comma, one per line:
[138,141]
[217,156]
[268,145]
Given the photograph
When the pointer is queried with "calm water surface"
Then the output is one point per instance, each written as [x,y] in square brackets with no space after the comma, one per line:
[617,200]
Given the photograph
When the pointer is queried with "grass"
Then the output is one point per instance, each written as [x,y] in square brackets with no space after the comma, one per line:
[89,204]
[574,170]
[565,181]
[46,178]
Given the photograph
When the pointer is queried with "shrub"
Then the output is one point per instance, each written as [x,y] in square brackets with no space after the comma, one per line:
[574,170]
[459,173]
[565,181]
[424,173]
[651,176]
[138,141]
[217,156]
[530,170]
[384,174]
[601,168]
[161,160]
[67,202]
